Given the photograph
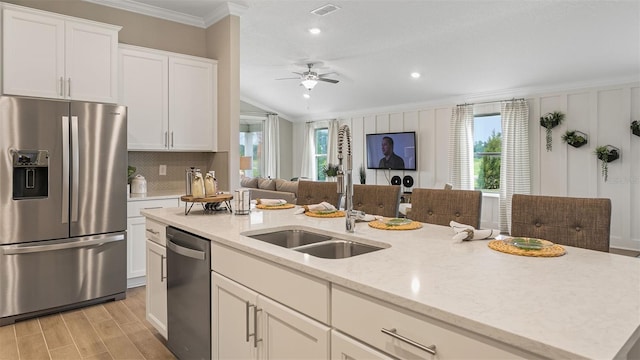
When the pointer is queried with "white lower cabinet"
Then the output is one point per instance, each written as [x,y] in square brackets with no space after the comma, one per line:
[346,348]
[156,308]
[247,325]
[407,335]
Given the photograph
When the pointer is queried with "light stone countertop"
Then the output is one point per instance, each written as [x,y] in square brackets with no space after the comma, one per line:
[585,304]
[156,195]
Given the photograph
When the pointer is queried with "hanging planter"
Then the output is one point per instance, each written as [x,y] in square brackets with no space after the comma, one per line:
[635,127]
[606,154]
[575,138]
[549,121]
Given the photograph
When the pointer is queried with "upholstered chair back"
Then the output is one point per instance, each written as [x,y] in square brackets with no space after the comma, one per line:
[579,222]
[380,200]
[315,192]
[439,206]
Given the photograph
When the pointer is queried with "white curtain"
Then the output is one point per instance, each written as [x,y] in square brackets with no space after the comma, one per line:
[271,141]
[461,147]
[515,164]
[332,142]
[307,168]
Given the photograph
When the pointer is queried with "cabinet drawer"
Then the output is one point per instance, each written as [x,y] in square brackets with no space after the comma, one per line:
[134,207]
[306,294]
[364,318]
[156,232]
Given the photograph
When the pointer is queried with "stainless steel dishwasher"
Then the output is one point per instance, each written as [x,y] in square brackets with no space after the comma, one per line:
[188,295]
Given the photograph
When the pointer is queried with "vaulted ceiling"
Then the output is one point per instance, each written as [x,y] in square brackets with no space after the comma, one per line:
[464,50]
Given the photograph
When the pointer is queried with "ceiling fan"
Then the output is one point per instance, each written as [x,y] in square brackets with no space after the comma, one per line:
[310,78]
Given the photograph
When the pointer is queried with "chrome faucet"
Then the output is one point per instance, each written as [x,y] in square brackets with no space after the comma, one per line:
[344,136]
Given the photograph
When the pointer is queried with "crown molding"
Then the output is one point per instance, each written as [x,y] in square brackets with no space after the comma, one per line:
[216,15]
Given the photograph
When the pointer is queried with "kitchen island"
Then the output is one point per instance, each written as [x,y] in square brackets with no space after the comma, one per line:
[585,304]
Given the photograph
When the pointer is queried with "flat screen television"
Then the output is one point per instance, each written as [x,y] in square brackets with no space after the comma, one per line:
[394,151]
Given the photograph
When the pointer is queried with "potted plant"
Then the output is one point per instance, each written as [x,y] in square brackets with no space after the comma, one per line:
[606,154]
[575,138]
[635,127]
[330,171]
[363,175]
[549,121]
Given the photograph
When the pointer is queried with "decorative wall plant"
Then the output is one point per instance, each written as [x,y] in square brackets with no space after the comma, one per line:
[606,154]
[575,138]
[635,127]
[549,121]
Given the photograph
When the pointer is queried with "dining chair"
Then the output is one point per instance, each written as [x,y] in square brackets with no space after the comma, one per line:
[315,192]
[578,222]
[382,200]
[440,206]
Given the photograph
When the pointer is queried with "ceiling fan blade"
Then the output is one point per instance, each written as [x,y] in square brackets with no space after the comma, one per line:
[295,78]
[329,73]
[329,80]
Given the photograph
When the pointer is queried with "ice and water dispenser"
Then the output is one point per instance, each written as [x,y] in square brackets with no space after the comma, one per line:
[30,174]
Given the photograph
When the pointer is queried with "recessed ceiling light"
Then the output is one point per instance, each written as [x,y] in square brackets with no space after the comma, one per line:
[315,31]
[306,96]
[415,75]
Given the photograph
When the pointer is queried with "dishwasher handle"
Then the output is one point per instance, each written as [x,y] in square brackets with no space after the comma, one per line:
[195,254]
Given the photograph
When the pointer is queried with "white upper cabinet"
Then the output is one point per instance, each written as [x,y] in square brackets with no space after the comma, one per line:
[54,56]
[171,100]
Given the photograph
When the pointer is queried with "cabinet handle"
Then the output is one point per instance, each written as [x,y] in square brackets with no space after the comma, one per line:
[166,139]
[394,333]
[255,326]
[248,334]
[69,88]
[172,139]
[162,276]
[153,232]
[61,86]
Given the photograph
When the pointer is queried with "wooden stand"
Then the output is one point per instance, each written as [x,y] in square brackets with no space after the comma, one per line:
[226,198]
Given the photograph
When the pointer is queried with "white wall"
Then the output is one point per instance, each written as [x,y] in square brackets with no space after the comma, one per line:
[604,113]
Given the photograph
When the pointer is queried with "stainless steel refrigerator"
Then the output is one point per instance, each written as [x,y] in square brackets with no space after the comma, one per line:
[62,205]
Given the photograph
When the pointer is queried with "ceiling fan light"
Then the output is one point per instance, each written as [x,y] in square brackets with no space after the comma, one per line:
[309,83]
[315,31]
[306,95]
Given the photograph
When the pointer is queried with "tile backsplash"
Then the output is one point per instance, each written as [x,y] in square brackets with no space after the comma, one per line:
[148,164]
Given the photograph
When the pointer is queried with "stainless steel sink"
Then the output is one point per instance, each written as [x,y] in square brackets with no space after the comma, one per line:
[291,238]
[315,244]
[337,249]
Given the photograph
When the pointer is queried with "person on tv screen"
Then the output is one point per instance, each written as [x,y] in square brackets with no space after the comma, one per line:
[390,159]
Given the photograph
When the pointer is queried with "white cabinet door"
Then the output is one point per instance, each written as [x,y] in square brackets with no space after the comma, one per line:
[136,256]
[192,99]
[33,54]
[91,62]
[157,287]
[53,56]
[287,334]
[232,320]
[346,348]
[144,90]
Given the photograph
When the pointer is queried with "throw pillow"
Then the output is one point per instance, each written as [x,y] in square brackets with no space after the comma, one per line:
[287,186]
[266,184]
[249,182]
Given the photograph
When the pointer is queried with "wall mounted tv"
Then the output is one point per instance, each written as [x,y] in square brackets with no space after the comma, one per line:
[395,151]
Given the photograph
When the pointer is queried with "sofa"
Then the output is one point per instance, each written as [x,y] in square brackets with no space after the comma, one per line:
[263,188]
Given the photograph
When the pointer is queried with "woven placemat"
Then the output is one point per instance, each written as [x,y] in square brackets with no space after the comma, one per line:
[382,226]
[552,251]
[336,214]
[275,207]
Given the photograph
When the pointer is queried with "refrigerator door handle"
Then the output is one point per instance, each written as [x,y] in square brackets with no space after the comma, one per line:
[19,249]
[75,175]
[65,169]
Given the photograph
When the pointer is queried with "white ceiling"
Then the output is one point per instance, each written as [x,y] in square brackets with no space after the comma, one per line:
[466,50]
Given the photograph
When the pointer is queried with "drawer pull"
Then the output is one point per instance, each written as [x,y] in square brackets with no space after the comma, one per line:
[394,333]
[153,232]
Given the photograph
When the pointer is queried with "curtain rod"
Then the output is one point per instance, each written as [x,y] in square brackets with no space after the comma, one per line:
[257,113]
[490,102]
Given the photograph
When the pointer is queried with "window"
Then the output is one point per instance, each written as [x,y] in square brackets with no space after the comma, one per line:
[251,136]
[321,138]
[487,147]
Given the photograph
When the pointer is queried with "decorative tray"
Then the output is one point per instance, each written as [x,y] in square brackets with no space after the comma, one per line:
[527,247]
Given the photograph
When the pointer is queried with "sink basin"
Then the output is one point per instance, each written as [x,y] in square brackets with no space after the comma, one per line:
[337,249]
[291,238]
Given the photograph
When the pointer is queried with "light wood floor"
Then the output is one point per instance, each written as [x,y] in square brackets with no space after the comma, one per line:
[112,330]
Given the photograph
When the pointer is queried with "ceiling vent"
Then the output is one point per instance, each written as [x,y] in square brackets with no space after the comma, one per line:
[325,10]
